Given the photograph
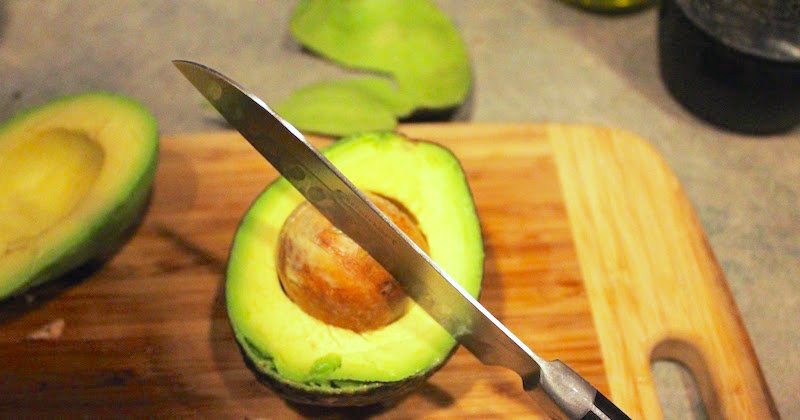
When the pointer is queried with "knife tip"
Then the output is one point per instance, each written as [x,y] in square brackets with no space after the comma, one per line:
[179,63]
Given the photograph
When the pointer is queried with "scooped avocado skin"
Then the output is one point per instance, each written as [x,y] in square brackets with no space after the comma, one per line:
[345,107]
[411,40]
[82,237]
[421,59]
[308,361]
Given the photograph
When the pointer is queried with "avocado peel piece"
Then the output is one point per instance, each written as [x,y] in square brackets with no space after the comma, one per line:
[411,40]
[411,44]
[384,90]
[77,173]
[307,360]
[345,107]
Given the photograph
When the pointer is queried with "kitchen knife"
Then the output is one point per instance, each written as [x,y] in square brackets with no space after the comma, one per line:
[559,390]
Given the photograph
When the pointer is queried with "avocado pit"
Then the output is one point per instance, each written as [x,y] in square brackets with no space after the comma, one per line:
[332,278]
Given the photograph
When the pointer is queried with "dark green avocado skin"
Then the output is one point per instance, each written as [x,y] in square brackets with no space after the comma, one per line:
[374,393]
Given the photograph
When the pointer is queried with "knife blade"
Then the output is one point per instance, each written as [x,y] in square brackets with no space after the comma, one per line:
[559,390]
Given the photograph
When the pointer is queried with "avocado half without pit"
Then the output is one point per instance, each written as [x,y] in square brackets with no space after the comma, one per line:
[317,318]
[74,177]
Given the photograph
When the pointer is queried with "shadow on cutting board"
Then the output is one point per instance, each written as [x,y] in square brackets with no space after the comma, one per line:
[36,297]
[32,299]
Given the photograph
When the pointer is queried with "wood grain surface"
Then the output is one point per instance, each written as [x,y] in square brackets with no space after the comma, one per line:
[656,288]
[594,257]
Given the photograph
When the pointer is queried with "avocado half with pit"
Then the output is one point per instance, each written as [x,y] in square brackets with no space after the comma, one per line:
[318,319]
[74,176]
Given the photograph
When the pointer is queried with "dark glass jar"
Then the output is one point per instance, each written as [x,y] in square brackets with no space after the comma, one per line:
[733,64]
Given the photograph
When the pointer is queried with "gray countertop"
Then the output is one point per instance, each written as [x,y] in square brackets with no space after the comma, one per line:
[534,61]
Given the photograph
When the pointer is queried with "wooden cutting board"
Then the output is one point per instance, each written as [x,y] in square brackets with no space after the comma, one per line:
[594,256]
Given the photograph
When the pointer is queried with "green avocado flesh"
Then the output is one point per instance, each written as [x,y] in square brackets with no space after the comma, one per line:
[74,176]
[410,41]
[310,361]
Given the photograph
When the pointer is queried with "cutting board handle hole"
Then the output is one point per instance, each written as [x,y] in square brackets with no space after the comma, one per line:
[677,390]
[681,374]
